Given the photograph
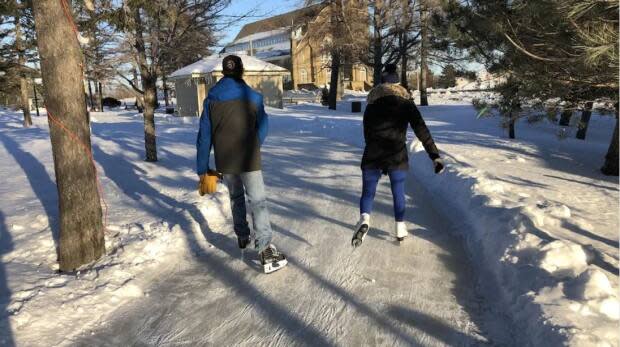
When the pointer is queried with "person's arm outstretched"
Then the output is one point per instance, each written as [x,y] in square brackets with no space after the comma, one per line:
[424,135]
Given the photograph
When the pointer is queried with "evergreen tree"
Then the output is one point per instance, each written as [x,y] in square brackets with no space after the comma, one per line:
[448,77]
[548,48]
[102,49]
[19,52]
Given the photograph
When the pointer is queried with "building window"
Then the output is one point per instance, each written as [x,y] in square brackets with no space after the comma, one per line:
[362,74]
[303,76]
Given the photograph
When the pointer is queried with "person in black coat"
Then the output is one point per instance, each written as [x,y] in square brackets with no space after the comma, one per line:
[389,113]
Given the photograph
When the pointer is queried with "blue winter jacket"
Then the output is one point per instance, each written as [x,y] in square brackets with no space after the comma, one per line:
[234,122]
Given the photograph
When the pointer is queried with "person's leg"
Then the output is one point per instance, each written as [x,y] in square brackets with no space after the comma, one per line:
[370,179]
[237,204]
[397,182]
[257,198]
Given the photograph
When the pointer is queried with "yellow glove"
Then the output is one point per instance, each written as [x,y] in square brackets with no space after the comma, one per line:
[208,182]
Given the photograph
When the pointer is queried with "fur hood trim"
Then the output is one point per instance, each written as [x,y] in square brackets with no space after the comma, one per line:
[387,89]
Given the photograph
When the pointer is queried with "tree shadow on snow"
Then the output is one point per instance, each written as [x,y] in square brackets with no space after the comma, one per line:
[129,178]
[40,181]
[431,326]
[6,245]
[560,157]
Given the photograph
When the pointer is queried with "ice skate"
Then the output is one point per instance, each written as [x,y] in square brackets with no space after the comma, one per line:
[272,260]
[400,231]
[361,229]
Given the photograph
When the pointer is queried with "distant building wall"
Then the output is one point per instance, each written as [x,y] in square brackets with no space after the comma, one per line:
[310,65]
[191,92]
[270,86]
[187,97]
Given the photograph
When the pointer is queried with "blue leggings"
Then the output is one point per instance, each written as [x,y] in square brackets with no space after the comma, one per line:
[370,178]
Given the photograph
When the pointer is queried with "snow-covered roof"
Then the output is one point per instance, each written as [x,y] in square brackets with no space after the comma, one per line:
[213,63]
[262,35]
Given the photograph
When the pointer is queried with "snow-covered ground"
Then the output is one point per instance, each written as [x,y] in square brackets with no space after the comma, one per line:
[522,231]
[538,217]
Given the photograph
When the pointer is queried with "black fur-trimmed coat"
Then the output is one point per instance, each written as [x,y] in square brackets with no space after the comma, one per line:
[389,112]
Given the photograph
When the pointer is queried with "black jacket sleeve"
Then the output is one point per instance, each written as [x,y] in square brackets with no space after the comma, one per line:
[421,131]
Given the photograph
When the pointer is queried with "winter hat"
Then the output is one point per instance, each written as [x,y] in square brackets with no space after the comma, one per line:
[232,66]
[389,74]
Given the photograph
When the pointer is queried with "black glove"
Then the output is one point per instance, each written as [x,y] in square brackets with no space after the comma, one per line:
[438,164]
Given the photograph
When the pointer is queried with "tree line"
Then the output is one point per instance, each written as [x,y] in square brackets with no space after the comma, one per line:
[559,56]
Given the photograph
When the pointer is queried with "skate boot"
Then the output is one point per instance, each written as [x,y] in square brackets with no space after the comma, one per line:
[361,229]
[272,260]
[243,242]
[400,230]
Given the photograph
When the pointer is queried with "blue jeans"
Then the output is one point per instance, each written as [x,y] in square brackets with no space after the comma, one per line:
[252,185]
[370,179]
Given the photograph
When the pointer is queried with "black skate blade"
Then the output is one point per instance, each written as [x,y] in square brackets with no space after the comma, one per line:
[274,266]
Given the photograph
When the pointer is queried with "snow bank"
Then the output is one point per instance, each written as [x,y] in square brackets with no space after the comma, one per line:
[153,211]
[520,226]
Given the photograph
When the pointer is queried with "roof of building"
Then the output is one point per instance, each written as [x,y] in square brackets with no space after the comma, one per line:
[213,63]
[280,21]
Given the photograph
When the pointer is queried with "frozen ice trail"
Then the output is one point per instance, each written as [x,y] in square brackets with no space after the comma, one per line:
[421,292]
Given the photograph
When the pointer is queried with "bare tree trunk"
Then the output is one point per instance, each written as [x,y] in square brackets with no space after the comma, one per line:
[23,82]
[36,98]
[334,79]
[511,125]
[150,98]
[585,120]
[164,82]
[610,167]
[23,87]
[90,97]
[565,117]
[402,40]
[81,228]
[423,53]
[100,98]
[149,86]
[377,48]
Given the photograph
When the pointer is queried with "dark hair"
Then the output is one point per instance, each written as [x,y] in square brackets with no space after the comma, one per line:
[390,68]
[232,66]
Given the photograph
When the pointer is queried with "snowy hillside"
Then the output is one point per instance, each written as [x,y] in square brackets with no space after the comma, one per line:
[516,243]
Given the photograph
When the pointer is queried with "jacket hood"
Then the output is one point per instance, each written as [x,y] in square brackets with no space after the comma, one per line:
[387,89]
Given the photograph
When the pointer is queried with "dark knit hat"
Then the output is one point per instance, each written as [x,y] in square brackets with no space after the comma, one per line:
[232,66]
[389,74]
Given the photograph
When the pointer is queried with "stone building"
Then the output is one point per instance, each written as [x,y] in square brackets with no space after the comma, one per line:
[283,40]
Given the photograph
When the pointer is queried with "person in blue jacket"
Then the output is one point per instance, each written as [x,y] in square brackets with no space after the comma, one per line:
[235,124]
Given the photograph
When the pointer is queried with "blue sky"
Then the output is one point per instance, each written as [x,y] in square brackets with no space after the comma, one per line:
[259,10]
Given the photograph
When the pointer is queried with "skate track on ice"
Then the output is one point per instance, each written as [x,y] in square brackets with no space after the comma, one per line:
[419,293]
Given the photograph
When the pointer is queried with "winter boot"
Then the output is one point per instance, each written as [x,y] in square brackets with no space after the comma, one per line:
[361,229]
[400,230]
[272,260]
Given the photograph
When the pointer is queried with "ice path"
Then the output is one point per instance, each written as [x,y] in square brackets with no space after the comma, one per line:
[421,292]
